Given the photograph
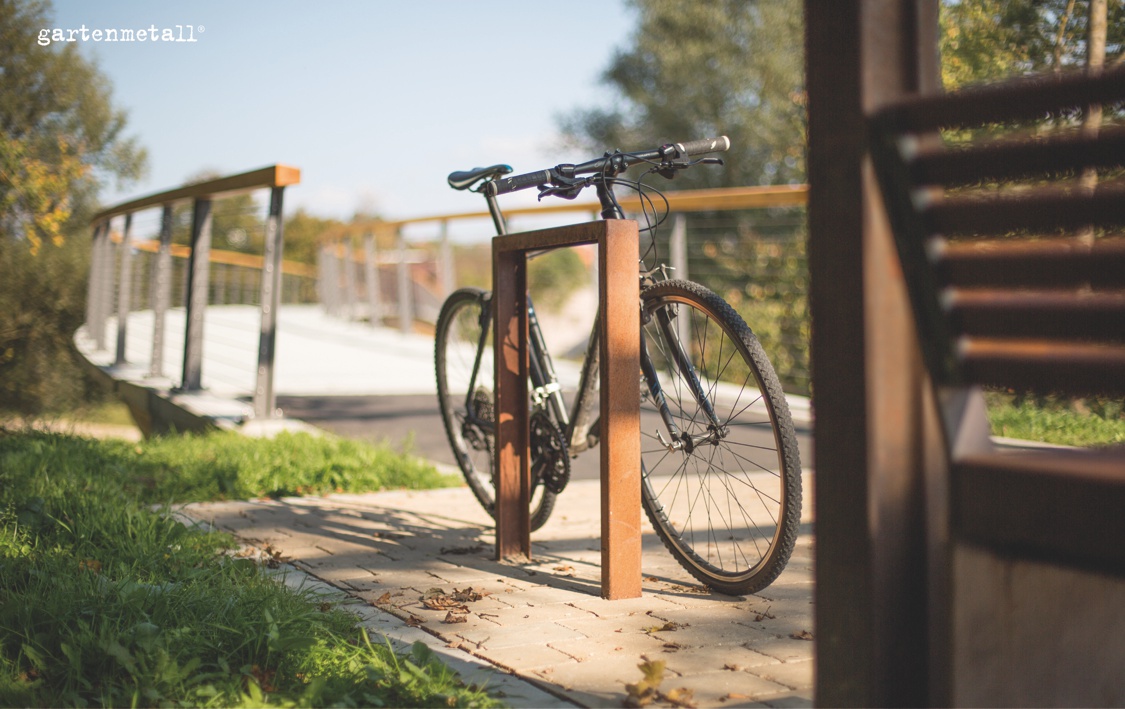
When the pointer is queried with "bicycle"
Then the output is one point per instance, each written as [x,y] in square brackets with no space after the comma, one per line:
[721,473]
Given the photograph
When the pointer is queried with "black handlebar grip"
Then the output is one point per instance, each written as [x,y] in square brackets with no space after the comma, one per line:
[707,145]
[515,183]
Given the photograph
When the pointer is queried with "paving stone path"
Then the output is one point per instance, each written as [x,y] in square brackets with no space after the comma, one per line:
[402,557]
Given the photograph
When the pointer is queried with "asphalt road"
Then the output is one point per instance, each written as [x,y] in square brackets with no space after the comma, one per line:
[412,423]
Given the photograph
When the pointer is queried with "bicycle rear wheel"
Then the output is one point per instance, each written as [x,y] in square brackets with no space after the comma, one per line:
[456,343]
[722,486]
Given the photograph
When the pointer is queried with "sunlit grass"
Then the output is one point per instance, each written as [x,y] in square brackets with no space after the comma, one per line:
[1083,423]
[104,601]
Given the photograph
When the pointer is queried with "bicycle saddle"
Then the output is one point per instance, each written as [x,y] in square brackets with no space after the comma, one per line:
[463,179]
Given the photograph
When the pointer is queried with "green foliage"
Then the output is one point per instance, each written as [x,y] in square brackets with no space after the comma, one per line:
[58,124]
[105,601]
[554,276]
[701,69]
[1084,423]
[987,40]
[61,138]
[302,234]
[42,303]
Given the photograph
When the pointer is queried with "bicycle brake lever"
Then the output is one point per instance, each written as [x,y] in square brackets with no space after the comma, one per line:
[565,187]
[668,168]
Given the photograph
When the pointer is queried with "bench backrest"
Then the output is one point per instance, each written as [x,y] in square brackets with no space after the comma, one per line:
[1008,211]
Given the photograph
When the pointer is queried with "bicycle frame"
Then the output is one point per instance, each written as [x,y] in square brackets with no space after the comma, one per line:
[546,390]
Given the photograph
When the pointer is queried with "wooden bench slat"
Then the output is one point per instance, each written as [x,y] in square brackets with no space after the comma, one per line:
[1044,365]
[1049,314]
[1005,160]
[1039,210]
[1045,263]
[1027,100]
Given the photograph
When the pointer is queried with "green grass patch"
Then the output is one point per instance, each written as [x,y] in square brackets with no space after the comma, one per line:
[105,601]
[1086,423]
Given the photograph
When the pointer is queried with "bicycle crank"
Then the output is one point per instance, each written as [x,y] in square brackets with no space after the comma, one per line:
[550,462]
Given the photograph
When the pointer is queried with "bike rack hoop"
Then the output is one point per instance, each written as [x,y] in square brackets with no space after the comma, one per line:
[619,333]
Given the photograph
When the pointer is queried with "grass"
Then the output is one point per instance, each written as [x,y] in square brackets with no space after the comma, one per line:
[105,601]
[1088,423]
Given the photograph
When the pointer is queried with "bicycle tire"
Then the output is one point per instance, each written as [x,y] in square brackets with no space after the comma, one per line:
[726,502]
[455,345]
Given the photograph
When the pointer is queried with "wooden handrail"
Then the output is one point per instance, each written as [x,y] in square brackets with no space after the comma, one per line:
[228,258]
[272,176]
[725,198]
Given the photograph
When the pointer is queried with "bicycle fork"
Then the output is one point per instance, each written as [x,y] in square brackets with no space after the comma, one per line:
[679,440]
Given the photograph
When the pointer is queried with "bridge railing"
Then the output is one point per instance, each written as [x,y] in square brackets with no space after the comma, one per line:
[122,281]
[746,243]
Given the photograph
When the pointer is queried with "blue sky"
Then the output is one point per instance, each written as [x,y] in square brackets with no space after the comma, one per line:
[376,101]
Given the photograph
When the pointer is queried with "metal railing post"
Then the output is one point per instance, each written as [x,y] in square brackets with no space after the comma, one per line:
[197,278]
[94,286]
[405,294]
[124,289]
[371,281]
[264,396]
[161,292]
[349,266]
[446,275]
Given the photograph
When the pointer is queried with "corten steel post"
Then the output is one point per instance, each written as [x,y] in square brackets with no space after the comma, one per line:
[161,291]
[124,288]
[619,332]
[197,287]
[264,397]
[878,584]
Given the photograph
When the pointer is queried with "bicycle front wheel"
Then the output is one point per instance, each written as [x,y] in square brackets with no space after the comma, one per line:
[465,384]
[721,471]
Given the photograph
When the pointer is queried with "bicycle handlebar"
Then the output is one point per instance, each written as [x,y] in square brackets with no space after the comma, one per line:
[620,161]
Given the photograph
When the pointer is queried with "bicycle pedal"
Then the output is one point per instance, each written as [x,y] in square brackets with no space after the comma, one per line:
[594,433]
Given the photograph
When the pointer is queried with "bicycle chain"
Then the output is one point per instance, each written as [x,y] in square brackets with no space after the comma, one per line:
[550,461]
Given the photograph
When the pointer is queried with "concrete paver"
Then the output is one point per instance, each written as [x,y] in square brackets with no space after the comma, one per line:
[544,620]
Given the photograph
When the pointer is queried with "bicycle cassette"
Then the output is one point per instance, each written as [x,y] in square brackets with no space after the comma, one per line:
[550,461]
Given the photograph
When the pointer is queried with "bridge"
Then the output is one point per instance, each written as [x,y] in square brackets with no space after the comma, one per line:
[194,337]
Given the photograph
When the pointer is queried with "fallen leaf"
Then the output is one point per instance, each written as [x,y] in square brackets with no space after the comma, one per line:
[264,678]
[646,690]
[469,595]
[451,618]
[667,626]
[732,668]
[414,621]
[565,569]
[682,697]
[90,565]
[384,599]
[802,635]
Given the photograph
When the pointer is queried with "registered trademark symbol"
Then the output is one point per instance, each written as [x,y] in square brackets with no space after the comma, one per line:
[201,29]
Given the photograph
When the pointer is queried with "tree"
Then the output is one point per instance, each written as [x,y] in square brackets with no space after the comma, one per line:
[61,139]
[701,69]
[986,40]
